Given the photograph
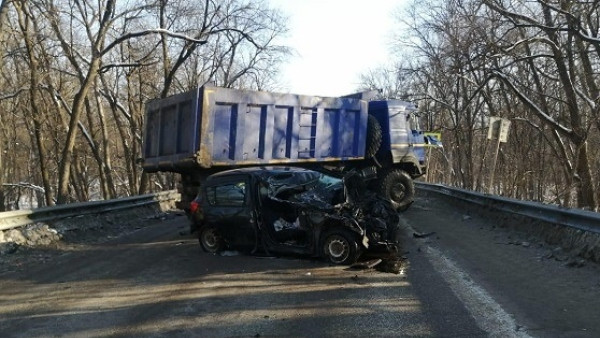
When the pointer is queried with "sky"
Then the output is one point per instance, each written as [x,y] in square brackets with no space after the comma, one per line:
[334,42]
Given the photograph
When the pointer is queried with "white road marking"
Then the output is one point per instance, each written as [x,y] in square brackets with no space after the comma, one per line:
[488,314]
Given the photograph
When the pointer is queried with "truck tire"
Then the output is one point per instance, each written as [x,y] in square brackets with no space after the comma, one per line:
[210,240]
[340,247]
[398,187]
[374,137]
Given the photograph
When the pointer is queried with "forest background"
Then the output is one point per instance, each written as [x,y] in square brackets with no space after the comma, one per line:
[75,75]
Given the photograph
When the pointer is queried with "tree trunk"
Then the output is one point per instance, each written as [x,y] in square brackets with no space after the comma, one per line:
[106,165]
[3,7]
[34,83]
[586,198]
[66,159]
[2,198]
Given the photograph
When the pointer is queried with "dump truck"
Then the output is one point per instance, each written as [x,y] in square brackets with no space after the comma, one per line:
[212,129]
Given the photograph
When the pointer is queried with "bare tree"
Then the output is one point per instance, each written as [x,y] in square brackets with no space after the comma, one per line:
[448,79]
[534,62]
[77,76]
[555,41]
[3,13]
[97,23]
[240,46]
[28,28]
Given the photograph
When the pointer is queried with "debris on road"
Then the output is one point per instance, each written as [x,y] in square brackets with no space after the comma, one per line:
[576,263]
[423,235]
[393,265]
[558,255]
[366,264]
[229,253]
[518,243]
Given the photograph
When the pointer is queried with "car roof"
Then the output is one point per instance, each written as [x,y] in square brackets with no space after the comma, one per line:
[261,171]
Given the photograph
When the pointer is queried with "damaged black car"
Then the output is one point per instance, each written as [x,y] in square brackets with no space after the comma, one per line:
[294,211]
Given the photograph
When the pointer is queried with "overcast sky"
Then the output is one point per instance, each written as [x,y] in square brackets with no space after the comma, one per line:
[335,41]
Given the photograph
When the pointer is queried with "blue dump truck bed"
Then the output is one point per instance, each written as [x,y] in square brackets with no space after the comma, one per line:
[213,127]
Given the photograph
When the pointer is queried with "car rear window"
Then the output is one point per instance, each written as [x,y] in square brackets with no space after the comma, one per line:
[230,194]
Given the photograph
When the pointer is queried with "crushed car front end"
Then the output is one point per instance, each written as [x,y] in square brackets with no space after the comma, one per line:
[344,203]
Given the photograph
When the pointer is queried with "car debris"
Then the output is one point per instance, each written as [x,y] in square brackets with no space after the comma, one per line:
[277,210]
[229,253]
[394,265]
[366,264]
[423,235]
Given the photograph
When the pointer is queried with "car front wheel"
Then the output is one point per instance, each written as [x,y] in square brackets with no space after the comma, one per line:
[340,248]
[210,240]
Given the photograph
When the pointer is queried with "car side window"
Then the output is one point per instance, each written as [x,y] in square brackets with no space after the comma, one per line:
[229,194]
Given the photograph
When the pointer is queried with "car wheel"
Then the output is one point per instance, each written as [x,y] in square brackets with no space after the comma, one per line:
[210,240]
[397,187]
[340,247]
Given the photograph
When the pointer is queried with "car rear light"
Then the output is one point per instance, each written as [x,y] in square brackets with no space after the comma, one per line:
[194,206]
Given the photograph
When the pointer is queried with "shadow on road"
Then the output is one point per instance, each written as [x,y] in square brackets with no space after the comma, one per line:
[156,281]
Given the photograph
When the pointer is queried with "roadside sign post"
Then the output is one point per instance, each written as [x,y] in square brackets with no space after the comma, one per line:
[433,140]
[498,130]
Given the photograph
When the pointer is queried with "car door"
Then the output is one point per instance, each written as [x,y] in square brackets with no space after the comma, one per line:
[228,208]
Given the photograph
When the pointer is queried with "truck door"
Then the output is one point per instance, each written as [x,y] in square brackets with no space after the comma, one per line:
[417,138]
[229,209]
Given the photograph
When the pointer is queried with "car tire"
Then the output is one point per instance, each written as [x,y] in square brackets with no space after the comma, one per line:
[374,137]
[340,248]
[210,240]
[397,187]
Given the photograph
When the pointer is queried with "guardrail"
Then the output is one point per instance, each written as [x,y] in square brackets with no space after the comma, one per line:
[574,218]
[13,219]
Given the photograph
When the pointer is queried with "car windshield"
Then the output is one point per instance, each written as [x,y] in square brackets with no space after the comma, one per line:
[307,187]
[328,181]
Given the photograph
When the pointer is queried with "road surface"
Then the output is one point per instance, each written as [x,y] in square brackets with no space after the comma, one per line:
[463,280]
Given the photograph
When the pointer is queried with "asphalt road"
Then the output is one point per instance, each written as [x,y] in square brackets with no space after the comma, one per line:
[156,282]
[543,290]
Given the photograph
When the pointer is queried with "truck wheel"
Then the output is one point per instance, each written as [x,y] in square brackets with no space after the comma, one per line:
[398,187]
[374,137]
[210,240]
[340,248]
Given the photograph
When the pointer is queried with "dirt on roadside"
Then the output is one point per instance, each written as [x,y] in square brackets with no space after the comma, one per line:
[39,242]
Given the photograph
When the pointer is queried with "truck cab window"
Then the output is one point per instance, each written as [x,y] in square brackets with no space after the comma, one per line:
[414,122]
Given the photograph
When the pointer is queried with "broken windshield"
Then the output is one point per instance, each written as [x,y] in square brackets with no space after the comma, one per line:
[312,188]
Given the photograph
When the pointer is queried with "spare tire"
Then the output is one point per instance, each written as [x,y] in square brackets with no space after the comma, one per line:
[374,137]
[397,187]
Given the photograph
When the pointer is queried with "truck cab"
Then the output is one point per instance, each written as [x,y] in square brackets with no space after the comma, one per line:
[402,140]
[401,152]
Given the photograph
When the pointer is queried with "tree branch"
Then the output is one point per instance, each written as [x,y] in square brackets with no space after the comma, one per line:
[149,32]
